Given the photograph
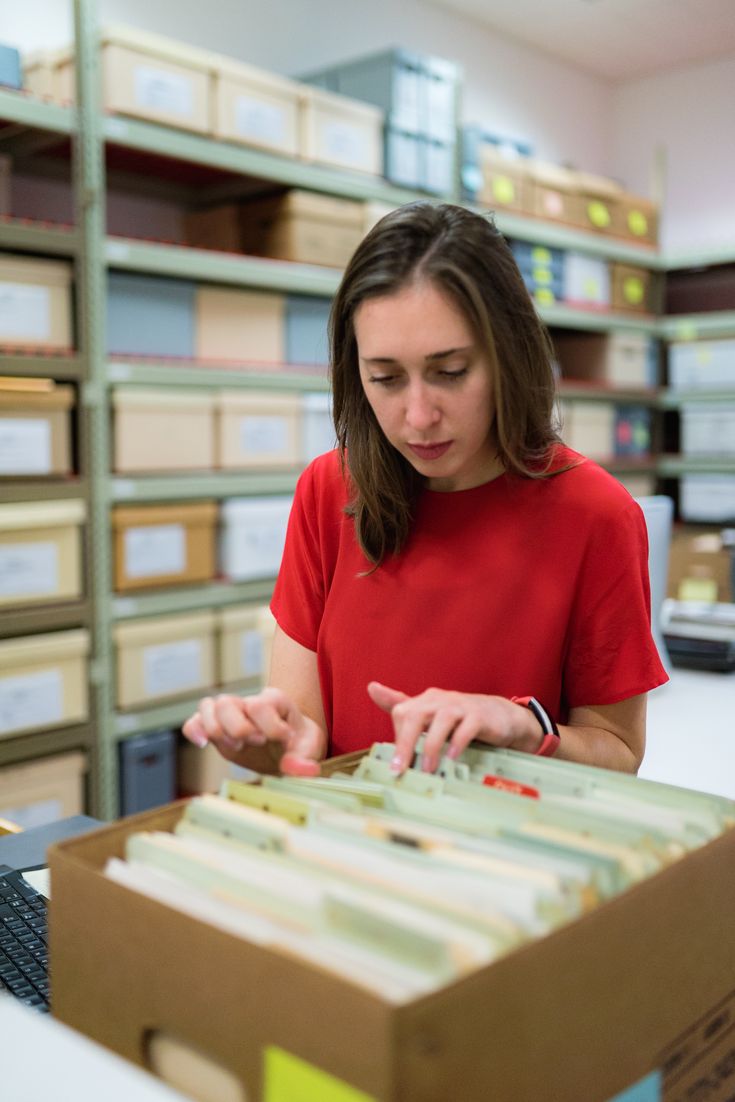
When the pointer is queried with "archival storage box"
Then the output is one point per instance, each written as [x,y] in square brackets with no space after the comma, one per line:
[41,551]
[35,303]
[33,793]
[35,430]
[258,430]
[245,638]
[641,988]
[163,657]
[303,227]
[159,545]
[43,682]
[257,108]
[238,326]
[341,132]
[162,430]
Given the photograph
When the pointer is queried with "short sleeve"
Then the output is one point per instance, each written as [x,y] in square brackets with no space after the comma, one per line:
[611,654]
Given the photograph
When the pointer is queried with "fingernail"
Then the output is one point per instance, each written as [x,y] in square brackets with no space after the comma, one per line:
[232,743]
[427,763]
[199,740]
[453,752]
[397,763]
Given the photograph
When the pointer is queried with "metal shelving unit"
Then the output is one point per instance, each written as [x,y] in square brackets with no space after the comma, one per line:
[673,466]
[172,714]
[34,114]
[64,368]
[591,392]
[690,327]
[190,598]
[29,620]
[55,740]
[180,374]
[595,321]
[211,484]
[557,236]
[675,399]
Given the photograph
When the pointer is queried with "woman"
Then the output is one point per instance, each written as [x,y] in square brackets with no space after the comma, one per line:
[451,564]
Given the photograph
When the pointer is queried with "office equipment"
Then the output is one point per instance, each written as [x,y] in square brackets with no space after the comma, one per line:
[700,635]
[658,511]
[147,770]
[23,941]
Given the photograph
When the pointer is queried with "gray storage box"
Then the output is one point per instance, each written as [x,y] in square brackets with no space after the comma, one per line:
[414,161]
[306,330]
[147,771]
[150,315]
[10,69]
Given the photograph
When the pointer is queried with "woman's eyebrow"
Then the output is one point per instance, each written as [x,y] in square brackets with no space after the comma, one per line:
[432,356]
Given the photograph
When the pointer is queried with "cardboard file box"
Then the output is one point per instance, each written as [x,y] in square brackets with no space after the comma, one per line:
[505,181]
[40,552]
[638,484]
[707,429]
[35,303]
[342,132]
[258,430]
[245,639]
[38,74]
[147,771]
[707,497]
[162,430]
[373,210]
[619,359]
[43,681]
[589,427]
[631,288]
[637,991]
[252,537]
[596,209]
[35,431]
[702,365]
[256,108]
[586,280]
[701,290]
[150,316]
[304,227]
[700,567]
[158,545]
[239,326]
[307,324]
[164,657]
[636,218]
[43,790]
[552,192]
[319,432]
[148,76]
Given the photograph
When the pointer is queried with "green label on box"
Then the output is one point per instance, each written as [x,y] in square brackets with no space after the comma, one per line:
[504,189]
[541,255]
[598,214]
[633,290]
[637,223]
[287,1078]
[697,589]
[545,296]
[543,275]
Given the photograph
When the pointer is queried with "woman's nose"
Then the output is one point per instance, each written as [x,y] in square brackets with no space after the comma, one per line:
[421,410]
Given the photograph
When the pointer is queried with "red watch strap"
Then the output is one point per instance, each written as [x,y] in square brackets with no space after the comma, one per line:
[550,741]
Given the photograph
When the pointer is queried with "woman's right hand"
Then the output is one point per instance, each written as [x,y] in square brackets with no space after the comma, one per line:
[236,725]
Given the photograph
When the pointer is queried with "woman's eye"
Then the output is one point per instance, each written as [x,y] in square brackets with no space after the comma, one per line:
[452,374]
[384,380]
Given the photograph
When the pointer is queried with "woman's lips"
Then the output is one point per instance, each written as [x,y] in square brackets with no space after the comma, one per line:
[430,451]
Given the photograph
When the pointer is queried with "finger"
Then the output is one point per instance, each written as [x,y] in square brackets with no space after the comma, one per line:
[263,712]
[409,721]
[464,733]
[235,723]
[208,718]
[194,731]
[385,697]
[441,727]
[296,766]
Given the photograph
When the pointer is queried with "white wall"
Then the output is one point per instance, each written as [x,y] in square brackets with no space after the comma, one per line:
[689,115]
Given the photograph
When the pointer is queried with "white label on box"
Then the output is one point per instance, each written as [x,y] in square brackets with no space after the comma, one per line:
[31,569]
[34,815]
[163,91]
[172,667]
[251,653]
[154,550]
[25,312]
[254,119]
[25,445]
[345,143]
[267,435]
[31,700]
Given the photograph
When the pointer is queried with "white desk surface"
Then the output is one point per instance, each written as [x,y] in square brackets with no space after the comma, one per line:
[691,732]
[45,1061]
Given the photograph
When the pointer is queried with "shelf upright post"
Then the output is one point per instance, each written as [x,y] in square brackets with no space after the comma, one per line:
[89,192]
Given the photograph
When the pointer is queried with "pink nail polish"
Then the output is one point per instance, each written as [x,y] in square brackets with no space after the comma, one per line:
[397,763]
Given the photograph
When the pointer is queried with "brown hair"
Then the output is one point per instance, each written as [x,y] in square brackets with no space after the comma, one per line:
[465,256]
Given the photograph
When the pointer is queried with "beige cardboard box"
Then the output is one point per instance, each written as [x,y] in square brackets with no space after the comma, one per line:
[43,790]
[215,228]
[589,427]
[304,227]
[636,218]
[373,210]
[41,552]
[258,429]
[700,567]
[35,433]
[35,303]
[163,657]
[620,358]
[254,107]
[597,209]
[505,182]
[147,76]
[162,430]
[38,73]
[43,681]
[641,986]
[632,288]
[240,326]
[245,640]
[339,131]
[158,545]
[552,192]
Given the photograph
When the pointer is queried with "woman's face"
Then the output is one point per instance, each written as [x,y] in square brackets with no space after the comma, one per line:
[428,385]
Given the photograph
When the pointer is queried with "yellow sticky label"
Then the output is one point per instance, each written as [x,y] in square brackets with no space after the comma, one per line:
[591,287]
[504,189]
[287,1078]
[541,255]
[543,275]
[544,295]
[637,223]
[697,589]
[598,214]
[633,290]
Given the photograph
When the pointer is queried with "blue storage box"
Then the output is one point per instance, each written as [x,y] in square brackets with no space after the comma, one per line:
[306,330]
[150,315]
[472,139]
[544,286]
[10,69]
[538,258]
[147,771]
[632,430]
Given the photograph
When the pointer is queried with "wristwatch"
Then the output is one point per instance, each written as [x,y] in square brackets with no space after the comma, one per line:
[550,742]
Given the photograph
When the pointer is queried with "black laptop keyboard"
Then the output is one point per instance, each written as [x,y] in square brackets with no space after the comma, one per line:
[23,948]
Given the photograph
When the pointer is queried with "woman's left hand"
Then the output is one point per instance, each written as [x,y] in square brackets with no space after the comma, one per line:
[452,720]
